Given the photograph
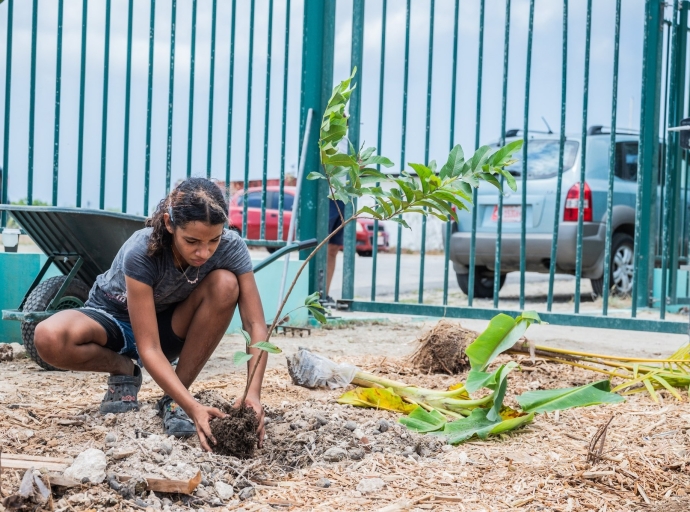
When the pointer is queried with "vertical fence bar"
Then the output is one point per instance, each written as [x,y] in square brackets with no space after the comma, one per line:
[104,114]
[128,86]
[525,130]
[356,60]
[58,91]
[82,95]
[211,81]
[561,149]
[645,210]
[171,96]
[396,291]
[612,164]
[662,185]
[231,87]
[190,117]
[668,167]
[477,132]
[32,105]
[8,103]
[147,163]
[453,86]
[583,161]
[247,145]
[430,68]
[281,195]
[382,67]
[504,104]
[267,117]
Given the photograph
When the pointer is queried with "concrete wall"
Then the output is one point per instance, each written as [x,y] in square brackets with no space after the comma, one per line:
[18,270]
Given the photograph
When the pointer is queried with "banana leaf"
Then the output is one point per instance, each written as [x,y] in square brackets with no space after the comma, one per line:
[568,398]
[480,425]
[421,420]
[377,398]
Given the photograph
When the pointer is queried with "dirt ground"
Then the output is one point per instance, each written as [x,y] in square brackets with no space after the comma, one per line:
[320,455]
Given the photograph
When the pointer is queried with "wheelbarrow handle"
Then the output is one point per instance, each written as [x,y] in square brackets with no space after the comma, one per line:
[294,246]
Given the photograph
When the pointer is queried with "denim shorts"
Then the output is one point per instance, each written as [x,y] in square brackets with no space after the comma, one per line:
[120,336]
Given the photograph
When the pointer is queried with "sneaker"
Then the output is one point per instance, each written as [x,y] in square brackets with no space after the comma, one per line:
[175,420]
[121,395]
[328,301]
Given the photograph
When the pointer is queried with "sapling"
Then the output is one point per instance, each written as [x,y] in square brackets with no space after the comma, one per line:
[424,189]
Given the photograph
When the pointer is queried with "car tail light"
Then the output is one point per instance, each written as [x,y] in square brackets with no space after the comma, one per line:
[572,203]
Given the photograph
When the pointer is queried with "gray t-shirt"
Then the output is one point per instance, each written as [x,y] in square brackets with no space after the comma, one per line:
[170,286]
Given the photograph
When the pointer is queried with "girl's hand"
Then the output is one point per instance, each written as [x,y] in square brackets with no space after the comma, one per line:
[255,404]
[201,416]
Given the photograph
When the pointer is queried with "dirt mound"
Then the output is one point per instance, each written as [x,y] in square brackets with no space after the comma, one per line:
[236,433]
[442,349]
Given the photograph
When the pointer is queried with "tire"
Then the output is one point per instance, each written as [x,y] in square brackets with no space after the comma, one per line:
[622,260]
[271,250]
[38,300]
[365,254]
[483,282]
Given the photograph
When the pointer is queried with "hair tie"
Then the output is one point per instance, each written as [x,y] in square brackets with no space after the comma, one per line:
[172,221]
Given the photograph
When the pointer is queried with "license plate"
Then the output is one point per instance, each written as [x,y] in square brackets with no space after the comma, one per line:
[511,213]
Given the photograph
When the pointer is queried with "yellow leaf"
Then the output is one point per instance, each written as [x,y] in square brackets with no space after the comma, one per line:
[461,396]
[376,398]
[508,413]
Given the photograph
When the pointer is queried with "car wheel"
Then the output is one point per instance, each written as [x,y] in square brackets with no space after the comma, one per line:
[622,261]
[365,254]
[39,299]
[483,282]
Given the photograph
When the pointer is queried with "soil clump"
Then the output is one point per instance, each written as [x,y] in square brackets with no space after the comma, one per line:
[442,349]
[236,433]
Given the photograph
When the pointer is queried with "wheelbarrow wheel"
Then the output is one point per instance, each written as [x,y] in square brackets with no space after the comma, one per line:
[38,300]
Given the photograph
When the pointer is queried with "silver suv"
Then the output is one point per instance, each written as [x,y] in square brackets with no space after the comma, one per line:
[540,210]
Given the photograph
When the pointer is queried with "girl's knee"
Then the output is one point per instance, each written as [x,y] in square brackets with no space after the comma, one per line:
[48,342]
[224,288]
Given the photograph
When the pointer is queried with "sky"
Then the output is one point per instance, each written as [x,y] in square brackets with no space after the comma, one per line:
[252,137]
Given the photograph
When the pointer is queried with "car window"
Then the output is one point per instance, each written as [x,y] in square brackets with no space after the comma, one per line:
[253,200]
[626,160]
[542,158]
[274,198]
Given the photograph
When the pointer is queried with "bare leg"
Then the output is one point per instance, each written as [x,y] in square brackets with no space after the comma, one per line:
[72,341]
[202,319]
[333,250]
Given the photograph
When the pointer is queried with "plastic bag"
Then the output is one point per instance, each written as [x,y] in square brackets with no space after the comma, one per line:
[311,370]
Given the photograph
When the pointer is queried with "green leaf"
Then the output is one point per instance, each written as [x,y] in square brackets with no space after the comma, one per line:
[247,339]
[501,334]
[500,390]
[267,347]
[421,420]
[317,312]
[366,209]
[490,178]
[400,221]
[313,298]
[340,159]
[510,179]
[239,358]
[477,423]
[378,160]
[315,176]
[479,158]
[567,398]
[500,157]
[452,167]
[422,171]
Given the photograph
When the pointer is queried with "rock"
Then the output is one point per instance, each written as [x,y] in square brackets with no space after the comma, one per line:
[110,439]
[224,491]
[369,485]
[320,420]
[89,464]
[323,482]
[383,425]
[358,433]
[408,450]
[334,455]
[350,425]
[216,502]
[356,453]
[206,467]
[201,492]
[165,448]
[247,492]
[298,425]
[18,350]
[158,457]
[6,353]
[78,498]
[109,419]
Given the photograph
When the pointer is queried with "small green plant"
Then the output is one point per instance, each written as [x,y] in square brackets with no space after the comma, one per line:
[424,189]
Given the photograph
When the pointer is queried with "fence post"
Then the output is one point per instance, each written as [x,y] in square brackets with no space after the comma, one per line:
[317,78]
[648,164]
[350,233]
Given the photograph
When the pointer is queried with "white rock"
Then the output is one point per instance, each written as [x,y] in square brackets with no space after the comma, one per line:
[358,433]
[334,455]
[18,350]
[224,491]
[89,464]
[369,485]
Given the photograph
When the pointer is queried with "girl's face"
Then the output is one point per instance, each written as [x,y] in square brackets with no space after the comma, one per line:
[196,242]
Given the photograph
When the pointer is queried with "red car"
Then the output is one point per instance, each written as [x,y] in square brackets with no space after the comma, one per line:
[365,227]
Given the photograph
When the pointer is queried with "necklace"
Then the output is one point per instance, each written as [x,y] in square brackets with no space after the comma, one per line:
[184,272]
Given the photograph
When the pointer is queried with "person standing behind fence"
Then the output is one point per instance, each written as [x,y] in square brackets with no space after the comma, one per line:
[169,294]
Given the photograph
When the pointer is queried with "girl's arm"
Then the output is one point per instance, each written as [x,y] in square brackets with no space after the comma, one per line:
[142,313]
[254,322]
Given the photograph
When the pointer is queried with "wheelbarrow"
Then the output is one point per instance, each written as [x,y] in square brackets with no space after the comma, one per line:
[82,244]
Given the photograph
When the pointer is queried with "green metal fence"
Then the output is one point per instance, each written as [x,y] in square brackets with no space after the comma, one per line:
[107,106]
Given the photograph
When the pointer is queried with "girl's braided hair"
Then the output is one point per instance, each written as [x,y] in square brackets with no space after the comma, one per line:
[194,199]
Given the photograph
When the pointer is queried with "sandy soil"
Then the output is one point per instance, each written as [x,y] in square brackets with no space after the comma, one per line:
[542,467]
